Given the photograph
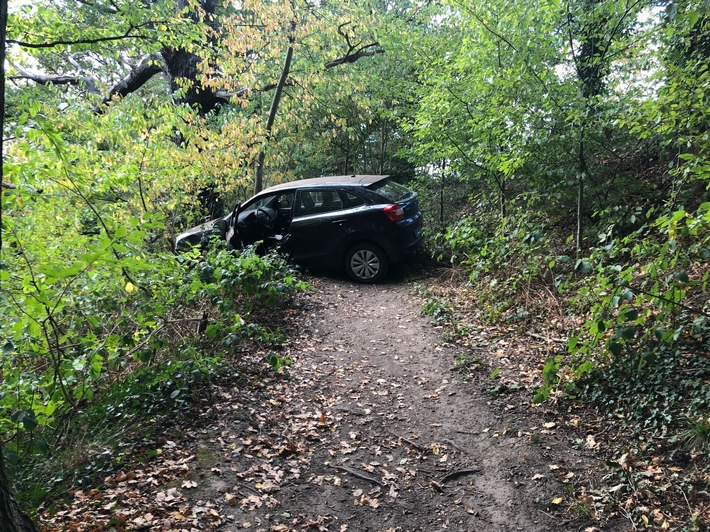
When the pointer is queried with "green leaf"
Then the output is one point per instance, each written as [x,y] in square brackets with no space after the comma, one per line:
[572,344]
[693,17]
[682,277]
[631,314]
[627,333]
[28,419]
[61,273]
[584,368]
[616,348]
[541,395]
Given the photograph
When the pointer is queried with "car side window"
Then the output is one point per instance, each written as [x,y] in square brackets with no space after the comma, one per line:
[351,200]
[318,201]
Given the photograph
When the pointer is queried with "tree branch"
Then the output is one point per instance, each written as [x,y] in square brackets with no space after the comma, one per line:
[83,81]
[148,67]
[351,57]
[95,40]
[355,51]
[113,10]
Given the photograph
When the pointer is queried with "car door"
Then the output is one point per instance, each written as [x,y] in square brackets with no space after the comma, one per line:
[317,228]
[271,223]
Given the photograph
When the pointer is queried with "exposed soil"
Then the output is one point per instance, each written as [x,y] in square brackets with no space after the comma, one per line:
[374,431]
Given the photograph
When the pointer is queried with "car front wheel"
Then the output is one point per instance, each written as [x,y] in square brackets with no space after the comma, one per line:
[366,263]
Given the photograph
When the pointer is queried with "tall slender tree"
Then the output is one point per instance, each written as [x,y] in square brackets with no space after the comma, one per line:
[12,518]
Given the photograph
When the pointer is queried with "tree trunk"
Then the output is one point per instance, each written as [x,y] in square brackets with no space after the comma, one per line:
[259,165]
[12,518]
[592,67]
[383,146]
[580,195]
[441,192]
[183,71]
[503,210]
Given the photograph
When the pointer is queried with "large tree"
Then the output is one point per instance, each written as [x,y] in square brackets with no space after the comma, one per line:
[213,55]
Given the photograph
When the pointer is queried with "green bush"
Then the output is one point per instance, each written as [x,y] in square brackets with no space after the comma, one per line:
[95,340]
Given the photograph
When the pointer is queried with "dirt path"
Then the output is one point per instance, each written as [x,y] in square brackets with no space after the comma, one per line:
[374,432]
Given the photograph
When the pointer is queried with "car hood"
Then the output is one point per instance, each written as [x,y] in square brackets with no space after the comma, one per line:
[194,235]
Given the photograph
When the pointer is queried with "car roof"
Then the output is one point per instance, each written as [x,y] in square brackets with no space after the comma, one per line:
[351,180]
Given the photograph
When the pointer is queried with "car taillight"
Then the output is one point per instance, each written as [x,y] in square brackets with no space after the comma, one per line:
[394,212]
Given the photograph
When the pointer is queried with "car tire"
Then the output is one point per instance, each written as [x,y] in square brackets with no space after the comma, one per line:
[366,263]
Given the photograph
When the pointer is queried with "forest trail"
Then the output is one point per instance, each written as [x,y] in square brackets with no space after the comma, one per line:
[373,431]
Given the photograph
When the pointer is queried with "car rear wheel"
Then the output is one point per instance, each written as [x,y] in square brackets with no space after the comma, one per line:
[366,263]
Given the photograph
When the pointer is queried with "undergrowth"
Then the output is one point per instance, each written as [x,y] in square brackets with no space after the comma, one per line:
[635,310]
[112,383]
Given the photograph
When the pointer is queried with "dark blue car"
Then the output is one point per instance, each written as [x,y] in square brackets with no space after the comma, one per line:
[359,223]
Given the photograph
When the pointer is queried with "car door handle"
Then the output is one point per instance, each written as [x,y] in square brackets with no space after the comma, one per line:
[339,221]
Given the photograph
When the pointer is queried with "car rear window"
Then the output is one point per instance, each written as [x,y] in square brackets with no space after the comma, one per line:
[391,190]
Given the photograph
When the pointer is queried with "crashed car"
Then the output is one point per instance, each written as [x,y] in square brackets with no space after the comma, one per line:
[358,223]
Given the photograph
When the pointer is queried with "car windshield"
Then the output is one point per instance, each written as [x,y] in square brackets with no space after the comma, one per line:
[264,201]
[391,190]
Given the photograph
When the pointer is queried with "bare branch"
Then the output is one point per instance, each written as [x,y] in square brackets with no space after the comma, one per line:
[52,44]
[85,82]
[355,51]
[148,67]
[225,96]
[351,56]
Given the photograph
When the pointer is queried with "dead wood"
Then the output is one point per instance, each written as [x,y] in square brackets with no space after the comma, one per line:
[356,473]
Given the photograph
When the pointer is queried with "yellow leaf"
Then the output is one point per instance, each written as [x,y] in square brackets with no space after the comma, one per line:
[557,500]
[130,287]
